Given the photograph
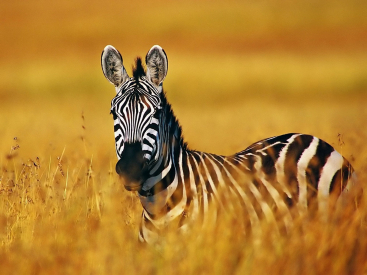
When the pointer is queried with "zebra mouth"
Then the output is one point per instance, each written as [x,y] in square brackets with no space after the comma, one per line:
[133,187]
[132,182]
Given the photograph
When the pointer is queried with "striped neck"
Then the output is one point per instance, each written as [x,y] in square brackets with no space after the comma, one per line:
[163,171]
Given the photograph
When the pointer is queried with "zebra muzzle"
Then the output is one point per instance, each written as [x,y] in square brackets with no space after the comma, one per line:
[132,167]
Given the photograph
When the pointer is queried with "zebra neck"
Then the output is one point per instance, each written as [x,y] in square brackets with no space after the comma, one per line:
[163,180]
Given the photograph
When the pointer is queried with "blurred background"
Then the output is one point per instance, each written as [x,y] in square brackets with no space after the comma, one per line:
[239,71]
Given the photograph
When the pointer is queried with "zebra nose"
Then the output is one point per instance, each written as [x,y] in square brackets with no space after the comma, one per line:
[132,166]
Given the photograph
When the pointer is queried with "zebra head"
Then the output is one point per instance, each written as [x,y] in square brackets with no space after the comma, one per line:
[136,110]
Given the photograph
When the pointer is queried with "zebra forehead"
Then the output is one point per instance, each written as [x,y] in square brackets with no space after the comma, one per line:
[134,98]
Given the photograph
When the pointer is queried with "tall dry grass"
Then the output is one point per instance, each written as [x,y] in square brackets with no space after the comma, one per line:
[60,215]
[238,72]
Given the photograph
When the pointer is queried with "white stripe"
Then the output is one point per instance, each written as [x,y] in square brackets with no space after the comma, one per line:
[147,147]
[149,183]
[225,195]
[279,166]
[149,139]
[254,219]
[180,207]
[212,185]
[332,165]
[216,169]
[149,236]
[204,191]
[154,120]
[193,190]
[269,214]
[302,164]
[181,167]
[262,150]
[151,131]
[284,210]
[163,221]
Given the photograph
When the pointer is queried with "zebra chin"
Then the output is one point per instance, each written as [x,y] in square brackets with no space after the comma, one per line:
[132,186]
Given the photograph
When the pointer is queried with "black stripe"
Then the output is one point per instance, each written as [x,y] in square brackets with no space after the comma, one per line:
[317,162]
[197,182]
[314,170]
[294,152]
[186,182]
[210,166]
[175,198]
[117,127]
[340,179]
[243,183]
[268,161]
[262,143]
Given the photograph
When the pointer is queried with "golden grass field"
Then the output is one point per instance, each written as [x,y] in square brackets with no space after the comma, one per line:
[239,71]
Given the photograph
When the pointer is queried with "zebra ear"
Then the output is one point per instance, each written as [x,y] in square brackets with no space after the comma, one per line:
[157,64]
[112,67]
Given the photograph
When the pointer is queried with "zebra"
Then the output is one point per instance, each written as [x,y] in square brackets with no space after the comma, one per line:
[177,185]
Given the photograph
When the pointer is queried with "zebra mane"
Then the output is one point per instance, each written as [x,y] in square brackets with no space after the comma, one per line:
[171,118]
[138,69]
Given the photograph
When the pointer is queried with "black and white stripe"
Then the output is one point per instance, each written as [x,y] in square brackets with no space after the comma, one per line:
[272,178]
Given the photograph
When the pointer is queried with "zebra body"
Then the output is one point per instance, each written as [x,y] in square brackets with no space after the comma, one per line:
[179,185]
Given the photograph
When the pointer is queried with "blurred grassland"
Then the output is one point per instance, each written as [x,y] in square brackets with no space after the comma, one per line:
[239,71]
